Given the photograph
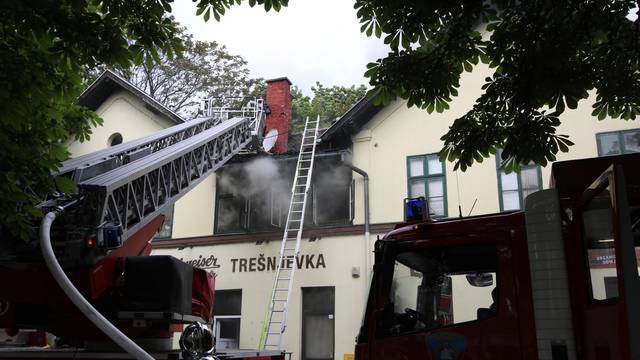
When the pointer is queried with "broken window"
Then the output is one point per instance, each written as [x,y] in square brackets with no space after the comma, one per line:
[332,195]
[253,198]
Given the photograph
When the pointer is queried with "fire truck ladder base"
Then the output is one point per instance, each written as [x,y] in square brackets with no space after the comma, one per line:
[276,319]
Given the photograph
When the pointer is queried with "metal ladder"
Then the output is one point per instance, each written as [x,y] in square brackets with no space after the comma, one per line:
[276,319]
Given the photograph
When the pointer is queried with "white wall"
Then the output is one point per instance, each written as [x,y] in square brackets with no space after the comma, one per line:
[340,254]
[382,146]
[122,113]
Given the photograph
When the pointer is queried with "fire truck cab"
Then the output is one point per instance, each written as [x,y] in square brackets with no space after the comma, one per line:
[556,281]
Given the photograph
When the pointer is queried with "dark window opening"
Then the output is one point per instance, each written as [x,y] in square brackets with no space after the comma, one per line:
[248,202]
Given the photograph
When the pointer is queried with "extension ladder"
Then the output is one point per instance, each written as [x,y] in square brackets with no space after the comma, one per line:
[276,318]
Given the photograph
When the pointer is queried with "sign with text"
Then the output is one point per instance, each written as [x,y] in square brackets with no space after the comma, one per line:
[259,263]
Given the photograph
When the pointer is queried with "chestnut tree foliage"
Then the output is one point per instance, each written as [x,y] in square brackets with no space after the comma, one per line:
[546,56]
[45,48]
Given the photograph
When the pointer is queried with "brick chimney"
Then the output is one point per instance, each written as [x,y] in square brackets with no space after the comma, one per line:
[279,101]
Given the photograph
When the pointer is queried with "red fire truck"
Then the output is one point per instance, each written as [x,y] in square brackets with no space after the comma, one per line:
[88,278]
[556,281]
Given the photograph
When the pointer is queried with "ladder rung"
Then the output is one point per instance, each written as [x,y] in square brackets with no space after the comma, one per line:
[304,168]
[281,289]
[283,279]
[298,202]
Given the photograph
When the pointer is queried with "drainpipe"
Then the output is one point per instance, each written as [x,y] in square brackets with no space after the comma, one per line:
[367,250]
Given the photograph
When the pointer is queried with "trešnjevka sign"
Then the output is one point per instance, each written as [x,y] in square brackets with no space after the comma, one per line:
[260,263]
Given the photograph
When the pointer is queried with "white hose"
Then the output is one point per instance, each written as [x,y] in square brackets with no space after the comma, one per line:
[79,301]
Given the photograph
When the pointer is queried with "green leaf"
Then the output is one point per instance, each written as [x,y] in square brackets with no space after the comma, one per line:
[430,106]
[207,14]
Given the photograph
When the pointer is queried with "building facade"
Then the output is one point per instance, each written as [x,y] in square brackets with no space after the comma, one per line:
[231,224]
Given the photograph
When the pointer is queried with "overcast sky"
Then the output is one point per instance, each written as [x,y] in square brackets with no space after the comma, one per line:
[307,41]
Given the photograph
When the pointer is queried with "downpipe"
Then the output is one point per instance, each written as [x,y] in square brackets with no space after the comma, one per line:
[76,297]
[367,233]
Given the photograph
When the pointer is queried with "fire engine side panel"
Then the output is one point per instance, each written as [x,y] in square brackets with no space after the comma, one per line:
[549,279]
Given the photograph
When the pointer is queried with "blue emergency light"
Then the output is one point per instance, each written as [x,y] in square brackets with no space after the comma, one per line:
[416,209]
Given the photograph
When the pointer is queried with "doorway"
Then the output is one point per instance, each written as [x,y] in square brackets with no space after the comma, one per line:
[318,330]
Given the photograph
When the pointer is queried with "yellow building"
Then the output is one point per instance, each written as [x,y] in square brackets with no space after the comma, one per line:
[231,224]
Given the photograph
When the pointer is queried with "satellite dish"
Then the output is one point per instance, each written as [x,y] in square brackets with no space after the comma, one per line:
[270,139]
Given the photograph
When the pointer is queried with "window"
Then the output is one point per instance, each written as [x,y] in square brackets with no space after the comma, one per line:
[435,288]
[165,231]
[426,177]
[618,142]
[227,311]
[516,186]
[114,139]
[230,213]
[331,196]
[253,201]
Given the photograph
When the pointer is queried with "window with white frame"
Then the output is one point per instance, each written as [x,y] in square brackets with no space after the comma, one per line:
[514,187]
[426,177]
[618,142]
[227,312]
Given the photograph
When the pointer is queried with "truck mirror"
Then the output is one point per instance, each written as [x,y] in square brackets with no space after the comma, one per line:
[480,279]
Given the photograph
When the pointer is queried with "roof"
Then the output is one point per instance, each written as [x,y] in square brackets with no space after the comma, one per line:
[109,82]
[353,120]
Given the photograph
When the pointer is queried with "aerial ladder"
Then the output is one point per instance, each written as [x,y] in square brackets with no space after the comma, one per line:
[102,232]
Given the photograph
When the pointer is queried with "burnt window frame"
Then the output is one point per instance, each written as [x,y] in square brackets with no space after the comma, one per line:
[311,220]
